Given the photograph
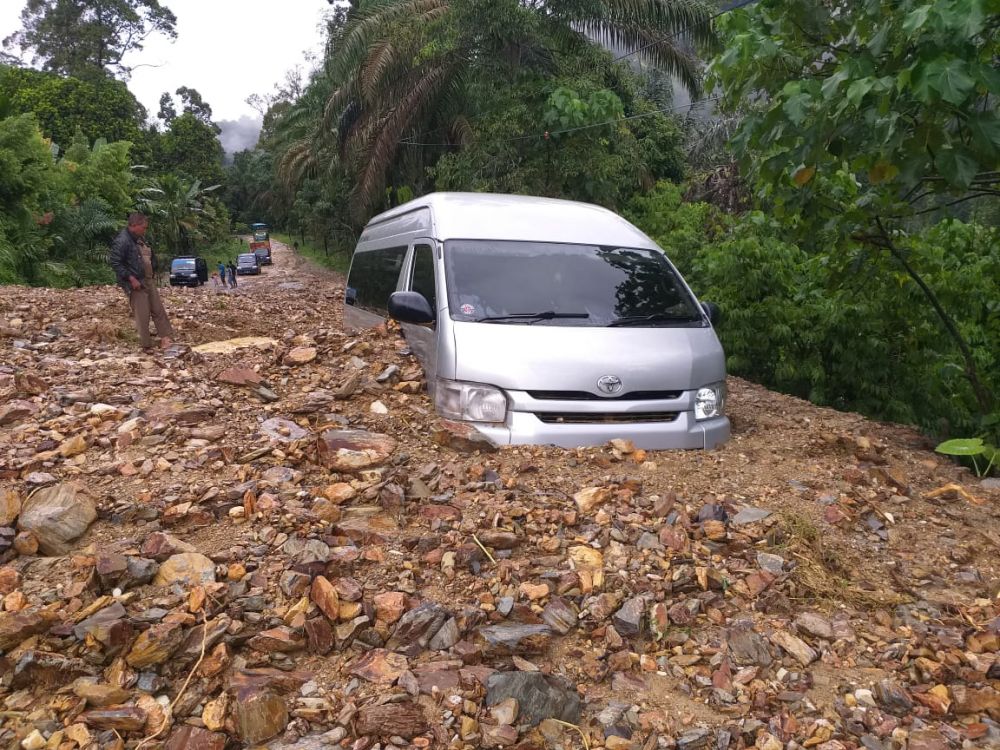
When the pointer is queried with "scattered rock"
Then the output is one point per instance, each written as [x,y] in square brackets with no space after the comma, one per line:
[57,516]
[538,696]
[351,451]
[189,568]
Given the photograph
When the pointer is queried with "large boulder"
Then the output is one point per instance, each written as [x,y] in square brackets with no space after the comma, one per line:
[56,516]
[353,450]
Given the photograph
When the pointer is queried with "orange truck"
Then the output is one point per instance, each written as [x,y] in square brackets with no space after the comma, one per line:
[260,245]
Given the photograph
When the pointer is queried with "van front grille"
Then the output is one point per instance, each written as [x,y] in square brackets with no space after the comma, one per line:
[577,417]
[587,396]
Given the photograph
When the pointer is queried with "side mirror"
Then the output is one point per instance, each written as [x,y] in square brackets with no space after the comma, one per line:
[351,296]
[712,311]
[410,307]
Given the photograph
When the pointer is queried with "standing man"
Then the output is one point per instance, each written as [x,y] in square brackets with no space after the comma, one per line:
[222,273]
[232,274]
[132,261]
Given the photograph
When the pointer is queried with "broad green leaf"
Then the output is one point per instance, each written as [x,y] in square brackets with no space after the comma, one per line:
[916,19]
[797,108]
[956,166]
[962,447]
[857,90]
[950,80]
[985,129]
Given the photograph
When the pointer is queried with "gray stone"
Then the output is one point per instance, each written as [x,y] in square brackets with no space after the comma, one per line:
[513,638]
[446,637]
[628,619]
[991,483]
[538,696]
[814,625]
[648,541]
[694,739]
[771,563]
[749,514]
[416,628]
[748,647]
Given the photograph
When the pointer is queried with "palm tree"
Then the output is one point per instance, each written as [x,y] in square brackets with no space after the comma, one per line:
[404,66]
[178,209]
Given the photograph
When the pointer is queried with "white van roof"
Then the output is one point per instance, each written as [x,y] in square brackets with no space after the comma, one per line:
[449,216]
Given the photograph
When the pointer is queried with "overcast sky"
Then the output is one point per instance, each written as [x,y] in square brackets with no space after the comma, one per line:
[227,49]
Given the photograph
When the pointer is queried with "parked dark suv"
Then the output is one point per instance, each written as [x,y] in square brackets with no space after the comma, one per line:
[247,263]
[188,271]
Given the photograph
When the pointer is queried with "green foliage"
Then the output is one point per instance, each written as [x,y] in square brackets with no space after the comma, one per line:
[400,69]
[182,213]
[89,39]
[870,110]
[974,449]
[100,108]
[190,147]
[851,331]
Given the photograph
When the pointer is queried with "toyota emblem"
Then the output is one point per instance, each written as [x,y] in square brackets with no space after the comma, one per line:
[610,384]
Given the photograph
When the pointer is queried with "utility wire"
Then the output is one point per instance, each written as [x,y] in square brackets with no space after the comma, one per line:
[549,133]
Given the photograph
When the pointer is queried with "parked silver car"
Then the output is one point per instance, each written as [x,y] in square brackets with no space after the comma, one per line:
[544,321]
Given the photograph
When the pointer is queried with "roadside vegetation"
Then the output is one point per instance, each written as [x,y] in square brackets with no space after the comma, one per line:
[829,174]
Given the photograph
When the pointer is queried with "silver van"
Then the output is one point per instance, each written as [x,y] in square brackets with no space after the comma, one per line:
[544,321]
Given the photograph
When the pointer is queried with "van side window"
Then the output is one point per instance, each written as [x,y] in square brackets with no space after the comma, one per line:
[374,276]
[423,273]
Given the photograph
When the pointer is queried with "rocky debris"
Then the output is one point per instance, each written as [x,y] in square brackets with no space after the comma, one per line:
[537,697]
[461,436]
[57,516]
[16,411]
[240,376]
[404,720]
[300,355]
[351,451]
[259,715]
[819,582]
[187,568]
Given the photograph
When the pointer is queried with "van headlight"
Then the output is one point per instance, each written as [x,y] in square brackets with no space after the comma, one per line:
[710,401]
[470,402]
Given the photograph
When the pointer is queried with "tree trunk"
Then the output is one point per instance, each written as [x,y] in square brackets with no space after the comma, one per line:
[982,393]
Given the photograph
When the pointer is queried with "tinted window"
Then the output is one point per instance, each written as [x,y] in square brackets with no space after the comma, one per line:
[423,274]
[373,277]
[184,264]
[607,284]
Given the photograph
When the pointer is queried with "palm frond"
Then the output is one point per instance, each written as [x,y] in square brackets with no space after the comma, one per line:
[379,154]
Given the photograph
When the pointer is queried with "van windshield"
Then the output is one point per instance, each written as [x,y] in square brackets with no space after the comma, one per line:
[534,283]
[183,264]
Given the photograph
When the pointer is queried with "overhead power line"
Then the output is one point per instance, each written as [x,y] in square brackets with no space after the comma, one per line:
[550,133]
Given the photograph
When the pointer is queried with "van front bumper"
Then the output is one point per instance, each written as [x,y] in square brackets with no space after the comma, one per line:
[536,425]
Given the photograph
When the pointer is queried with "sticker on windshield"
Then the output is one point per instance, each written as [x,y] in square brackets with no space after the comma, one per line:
[468,309]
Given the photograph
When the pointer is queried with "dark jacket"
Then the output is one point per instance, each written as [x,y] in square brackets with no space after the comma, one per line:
[126,260]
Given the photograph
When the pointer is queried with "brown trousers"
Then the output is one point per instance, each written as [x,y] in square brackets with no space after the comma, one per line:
[146,304]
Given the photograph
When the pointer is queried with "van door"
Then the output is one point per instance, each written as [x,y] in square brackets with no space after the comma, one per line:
[422,278]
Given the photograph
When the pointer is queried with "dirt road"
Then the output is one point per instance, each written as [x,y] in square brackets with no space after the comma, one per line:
[822,580]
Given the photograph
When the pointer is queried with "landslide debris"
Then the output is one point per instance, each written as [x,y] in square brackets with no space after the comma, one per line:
[227,546]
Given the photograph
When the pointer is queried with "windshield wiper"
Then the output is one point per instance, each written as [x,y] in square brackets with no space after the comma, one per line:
[532,317]
[634,320]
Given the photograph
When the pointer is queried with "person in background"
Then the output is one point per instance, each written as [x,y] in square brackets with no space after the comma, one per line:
[222,273]
[232,274]
[132,261]
[215,281]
